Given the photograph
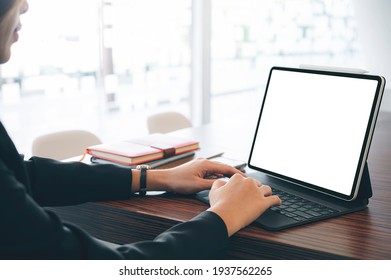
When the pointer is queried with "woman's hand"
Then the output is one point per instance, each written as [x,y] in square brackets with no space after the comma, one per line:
[188,178]
[240,201]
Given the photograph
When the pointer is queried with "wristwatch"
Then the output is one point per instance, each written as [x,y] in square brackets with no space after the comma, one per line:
[143,179]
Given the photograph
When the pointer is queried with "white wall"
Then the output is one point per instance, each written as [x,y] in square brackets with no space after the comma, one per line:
[374,31]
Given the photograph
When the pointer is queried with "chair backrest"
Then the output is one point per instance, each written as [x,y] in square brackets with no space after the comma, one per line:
[167,122]
[63,144]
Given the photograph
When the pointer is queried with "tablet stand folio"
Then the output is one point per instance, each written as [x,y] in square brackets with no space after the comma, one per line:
[365,190]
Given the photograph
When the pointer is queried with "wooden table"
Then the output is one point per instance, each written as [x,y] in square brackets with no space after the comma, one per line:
[361,235]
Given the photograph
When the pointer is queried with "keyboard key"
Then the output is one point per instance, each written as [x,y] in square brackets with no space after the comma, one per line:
[290,209]
[304,215]
[313,213]
[291,215]
[299,208]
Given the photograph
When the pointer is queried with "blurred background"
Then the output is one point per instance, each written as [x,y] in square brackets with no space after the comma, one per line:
[106,65]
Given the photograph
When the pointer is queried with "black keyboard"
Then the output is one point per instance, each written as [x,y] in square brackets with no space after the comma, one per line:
[298,208]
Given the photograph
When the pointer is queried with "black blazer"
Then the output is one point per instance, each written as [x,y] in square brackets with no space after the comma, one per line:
[29,231]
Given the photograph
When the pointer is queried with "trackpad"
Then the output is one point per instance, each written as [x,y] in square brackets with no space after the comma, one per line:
[273,221]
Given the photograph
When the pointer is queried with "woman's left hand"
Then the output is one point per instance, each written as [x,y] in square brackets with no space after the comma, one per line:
[190,177]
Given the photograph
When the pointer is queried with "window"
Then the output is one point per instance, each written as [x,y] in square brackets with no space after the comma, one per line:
[250,36]
[105,65]
[147,47]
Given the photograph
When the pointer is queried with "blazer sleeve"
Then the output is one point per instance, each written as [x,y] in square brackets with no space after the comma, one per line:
[203,237]
[56,183]
[29,231]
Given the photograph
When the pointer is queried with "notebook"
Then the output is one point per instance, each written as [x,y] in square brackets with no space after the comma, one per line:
[145,149]
[311,144]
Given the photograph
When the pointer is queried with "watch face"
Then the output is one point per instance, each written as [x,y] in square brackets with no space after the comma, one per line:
[142,166]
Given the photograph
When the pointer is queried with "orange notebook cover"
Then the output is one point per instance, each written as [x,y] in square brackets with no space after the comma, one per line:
[141,150]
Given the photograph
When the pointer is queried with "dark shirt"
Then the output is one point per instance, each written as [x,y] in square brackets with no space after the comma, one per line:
[30,231]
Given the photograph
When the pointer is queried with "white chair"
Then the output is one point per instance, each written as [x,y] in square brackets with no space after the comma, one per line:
[64,144]
[167,122]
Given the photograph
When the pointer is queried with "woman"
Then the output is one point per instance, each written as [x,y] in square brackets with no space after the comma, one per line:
[29,231]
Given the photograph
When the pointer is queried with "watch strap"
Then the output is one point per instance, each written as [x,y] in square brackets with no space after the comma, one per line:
[143,179]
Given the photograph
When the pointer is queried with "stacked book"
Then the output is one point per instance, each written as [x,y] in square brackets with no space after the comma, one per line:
[155,149]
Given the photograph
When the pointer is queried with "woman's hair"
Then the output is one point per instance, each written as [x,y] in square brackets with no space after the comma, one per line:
[5,6]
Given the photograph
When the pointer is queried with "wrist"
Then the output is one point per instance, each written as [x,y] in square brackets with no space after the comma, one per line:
[157,180]
[228,218]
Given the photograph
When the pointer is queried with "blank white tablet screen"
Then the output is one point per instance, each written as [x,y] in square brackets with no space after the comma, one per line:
[313,126]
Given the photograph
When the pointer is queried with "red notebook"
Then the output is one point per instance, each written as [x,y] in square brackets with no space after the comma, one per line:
[145,149]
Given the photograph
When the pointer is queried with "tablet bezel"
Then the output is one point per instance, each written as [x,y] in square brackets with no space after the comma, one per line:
[366,141]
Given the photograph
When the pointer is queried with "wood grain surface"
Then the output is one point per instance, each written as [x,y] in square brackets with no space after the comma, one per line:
[362,235]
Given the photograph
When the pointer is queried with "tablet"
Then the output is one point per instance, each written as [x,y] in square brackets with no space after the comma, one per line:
[315,128]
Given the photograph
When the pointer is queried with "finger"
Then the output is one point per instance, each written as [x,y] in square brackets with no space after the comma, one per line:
[228,170]
[274,200]
[259,184]
[218,183]
[238,177]
[213,176]
[266,190]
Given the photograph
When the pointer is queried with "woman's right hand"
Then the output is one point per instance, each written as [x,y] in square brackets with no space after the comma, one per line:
[240,201]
